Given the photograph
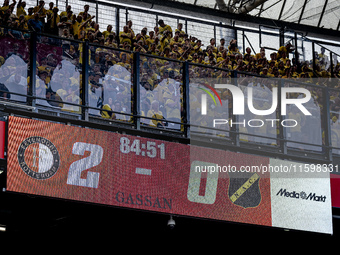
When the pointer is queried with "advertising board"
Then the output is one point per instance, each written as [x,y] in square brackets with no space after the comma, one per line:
[94,166]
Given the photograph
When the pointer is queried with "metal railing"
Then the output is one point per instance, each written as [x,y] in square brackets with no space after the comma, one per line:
[117,15]
[78,80]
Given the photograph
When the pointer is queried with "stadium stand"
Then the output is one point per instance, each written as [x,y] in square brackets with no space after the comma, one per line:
[163,50]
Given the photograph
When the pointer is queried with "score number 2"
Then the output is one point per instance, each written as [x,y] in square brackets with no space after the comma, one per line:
[96,156]
[77,167]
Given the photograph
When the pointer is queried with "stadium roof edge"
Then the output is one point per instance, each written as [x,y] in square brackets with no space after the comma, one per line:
[194,10]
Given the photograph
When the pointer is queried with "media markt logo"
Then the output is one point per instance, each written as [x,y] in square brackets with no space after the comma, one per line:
[38,157]
[301,195]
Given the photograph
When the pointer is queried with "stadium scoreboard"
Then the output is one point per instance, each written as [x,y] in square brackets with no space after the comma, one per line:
[94,166]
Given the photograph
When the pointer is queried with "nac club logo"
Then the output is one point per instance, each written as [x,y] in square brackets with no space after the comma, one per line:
[38,157]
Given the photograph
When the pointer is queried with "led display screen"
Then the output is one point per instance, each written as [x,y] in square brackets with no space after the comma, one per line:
[108,168]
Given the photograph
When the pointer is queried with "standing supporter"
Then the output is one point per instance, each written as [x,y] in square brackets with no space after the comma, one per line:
[53,21]
[151,39]
[176,40]
[153,49]
[212,45]
[35,24]
[40,8]
[30,14]
[197,47]
[5,6]
[288,48]
[82,28]
[164,42]
[111,41]
[21,8]
[156,29]
[76,22]
[125,36]
[85,14]
[15,34]
[233,50]
[143,35]
[163,27]
[179,29]
[62,25]
[22,22]
[129,24]
[50,10]
[96,33]
[222,44]
[64,13]
[108,32]
[156,114]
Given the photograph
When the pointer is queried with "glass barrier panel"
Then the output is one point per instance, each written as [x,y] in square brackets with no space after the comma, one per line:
[227,34]
[203,32]
[209,104]
[241,41]
[301,127]
[306,54]
[161,92]
[335,49]
[260,119]
[141,20]
[322,61]
[270,38]
[334,108]
[78,7]
[58,77]
[110,83]
[252,41]
[107,17]
[336,65]
[289,37]
[14,60]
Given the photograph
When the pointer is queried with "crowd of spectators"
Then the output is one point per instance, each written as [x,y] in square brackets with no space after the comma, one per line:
[59,64]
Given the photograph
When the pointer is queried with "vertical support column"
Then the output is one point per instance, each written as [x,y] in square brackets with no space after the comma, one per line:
[97,11]
[260,36]
[186,25]
[331,63]
[117,24]
[282,130]
[84,81]
[313,52]
[282,36]
[235,118]
[33,68]
[327,127]
[186,99]
[136,91]
[296,53]
[243,42]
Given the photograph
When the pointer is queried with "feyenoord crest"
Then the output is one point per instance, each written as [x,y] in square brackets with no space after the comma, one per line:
[244,189]
[38,157]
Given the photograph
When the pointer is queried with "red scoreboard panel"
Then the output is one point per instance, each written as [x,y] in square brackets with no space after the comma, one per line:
[95,166]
